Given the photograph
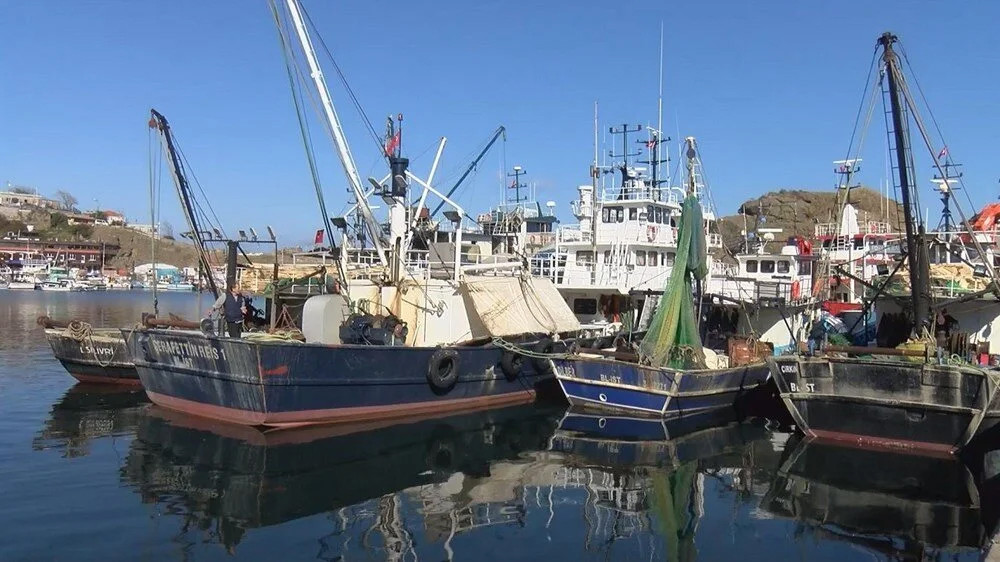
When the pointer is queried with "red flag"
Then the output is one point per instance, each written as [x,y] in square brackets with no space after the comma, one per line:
[943,153]
[319,237]
[651,144]
[390,146]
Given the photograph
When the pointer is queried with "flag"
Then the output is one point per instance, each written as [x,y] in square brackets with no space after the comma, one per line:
[651,144]
[319,237]
[392,144]
[943,153]
[843,169]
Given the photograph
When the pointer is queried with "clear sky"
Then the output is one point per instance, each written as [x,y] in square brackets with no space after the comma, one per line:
[770,89]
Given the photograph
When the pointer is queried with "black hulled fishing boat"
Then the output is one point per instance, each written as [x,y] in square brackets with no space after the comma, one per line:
[410,329]
[91,355]
[917,402]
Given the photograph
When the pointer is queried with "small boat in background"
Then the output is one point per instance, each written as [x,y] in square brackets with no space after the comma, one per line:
[92,355]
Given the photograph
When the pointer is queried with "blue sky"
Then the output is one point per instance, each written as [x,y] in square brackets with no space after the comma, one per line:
[770,89]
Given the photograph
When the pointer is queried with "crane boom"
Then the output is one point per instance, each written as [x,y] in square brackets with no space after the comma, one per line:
[500,131]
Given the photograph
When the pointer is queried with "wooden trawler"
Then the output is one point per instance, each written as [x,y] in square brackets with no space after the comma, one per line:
[668,375]
[408,333]
[905,398]
[91,355]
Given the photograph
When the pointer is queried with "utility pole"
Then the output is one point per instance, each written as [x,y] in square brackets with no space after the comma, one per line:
[516,185]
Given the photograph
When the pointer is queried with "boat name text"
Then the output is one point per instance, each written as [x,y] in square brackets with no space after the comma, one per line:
[187,350]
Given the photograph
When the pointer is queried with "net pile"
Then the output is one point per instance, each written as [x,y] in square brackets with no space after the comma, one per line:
[672,339]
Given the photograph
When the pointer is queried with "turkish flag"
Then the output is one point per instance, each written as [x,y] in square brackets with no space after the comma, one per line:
[319,237]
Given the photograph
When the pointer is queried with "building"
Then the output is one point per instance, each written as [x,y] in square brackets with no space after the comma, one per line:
[147,229]
[15,199]
[113,218]
[83,254]
[80,218]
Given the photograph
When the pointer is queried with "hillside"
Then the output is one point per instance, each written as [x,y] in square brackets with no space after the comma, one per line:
[797,211]
[136,248]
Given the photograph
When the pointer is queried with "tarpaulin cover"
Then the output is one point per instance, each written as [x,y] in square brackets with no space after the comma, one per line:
[509,306]
[672,339]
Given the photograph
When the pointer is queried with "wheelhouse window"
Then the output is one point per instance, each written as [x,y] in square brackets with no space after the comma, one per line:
[751,266]
[633,213]
[658,215]
[584,306]
[767,266]
[669,260]
[607,256]
[620,214]
[584,257]
[783,266]
[652,259]
[640,257]
[606,214]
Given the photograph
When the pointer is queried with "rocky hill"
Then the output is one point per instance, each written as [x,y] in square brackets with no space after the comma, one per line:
[797,211]
[136,248]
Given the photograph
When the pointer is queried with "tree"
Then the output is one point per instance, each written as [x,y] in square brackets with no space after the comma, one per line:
[166,230]
[67,200]
[22,190]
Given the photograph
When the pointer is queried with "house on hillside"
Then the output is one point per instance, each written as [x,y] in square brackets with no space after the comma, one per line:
[113,218]
[80,218]
[19,200]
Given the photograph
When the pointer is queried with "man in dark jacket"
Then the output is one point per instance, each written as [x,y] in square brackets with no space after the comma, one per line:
[233,308]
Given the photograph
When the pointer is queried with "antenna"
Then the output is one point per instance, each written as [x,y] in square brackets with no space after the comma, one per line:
[659,99]
[270,233]
[516,185]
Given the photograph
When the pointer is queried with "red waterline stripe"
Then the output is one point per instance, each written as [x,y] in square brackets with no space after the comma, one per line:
[301,418]
[896,445]
[106,380]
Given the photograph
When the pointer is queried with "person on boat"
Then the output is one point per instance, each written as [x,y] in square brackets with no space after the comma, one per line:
[233,307]
[944,325]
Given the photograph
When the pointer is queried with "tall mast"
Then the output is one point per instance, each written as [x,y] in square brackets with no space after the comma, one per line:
[333,124]
[916,249]
[159,122]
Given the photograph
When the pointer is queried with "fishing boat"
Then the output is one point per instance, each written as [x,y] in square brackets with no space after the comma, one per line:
[22,282]
[905,398]
[397,339]
[91,355]
[668,375]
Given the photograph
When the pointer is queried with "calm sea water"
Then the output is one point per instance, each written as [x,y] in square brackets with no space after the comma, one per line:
[90,473]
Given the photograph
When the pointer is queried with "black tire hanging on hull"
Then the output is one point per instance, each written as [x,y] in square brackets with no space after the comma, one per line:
[442,370]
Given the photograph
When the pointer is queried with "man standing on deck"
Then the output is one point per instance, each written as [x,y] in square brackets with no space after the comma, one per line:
[233,308]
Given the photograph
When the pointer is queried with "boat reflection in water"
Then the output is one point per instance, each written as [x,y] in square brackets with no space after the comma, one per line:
[425,489]
[896,505]
[90,411]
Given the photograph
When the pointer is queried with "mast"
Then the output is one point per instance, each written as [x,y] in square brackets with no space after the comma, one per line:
[333,124]
[916,249]
[159,122]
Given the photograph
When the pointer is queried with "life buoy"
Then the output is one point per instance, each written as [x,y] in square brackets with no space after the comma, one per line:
[442,369]
[511,363]
[650,233]
[795,290]
[207,326]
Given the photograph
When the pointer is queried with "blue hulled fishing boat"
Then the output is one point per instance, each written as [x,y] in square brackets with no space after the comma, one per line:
[668,374]
[412,325]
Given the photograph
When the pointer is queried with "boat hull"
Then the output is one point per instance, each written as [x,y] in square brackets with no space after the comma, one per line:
[899,405]
[288,384]
[632,388]
[100,358]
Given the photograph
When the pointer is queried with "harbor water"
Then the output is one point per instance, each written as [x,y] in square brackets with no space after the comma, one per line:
[98,473]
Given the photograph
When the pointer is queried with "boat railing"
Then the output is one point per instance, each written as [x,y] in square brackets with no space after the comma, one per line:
[640,192]
[573,233]
[764,293]
[865,227]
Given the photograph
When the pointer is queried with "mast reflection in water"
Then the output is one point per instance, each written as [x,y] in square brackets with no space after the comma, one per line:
[515,483]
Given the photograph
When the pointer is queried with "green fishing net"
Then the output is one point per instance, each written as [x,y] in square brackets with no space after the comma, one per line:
[672,339]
